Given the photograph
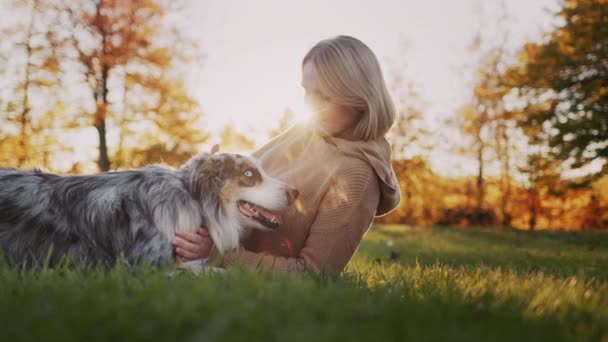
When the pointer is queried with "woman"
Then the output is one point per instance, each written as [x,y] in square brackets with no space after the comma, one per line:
[340,163]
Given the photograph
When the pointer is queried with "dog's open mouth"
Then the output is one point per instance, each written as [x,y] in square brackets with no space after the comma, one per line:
[266,217]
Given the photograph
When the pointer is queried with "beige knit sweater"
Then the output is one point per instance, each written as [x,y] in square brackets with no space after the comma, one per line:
[343,185]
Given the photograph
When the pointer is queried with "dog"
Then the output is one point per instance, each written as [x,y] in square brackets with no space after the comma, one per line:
[133,215]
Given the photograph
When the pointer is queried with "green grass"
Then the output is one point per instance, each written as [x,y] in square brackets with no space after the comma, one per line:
[403,284]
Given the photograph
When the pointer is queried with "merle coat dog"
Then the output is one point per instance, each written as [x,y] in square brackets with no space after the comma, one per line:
[133,215]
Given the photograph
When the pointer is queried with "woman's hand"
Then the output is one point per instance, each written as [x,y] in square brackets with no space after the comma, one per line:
[192,246]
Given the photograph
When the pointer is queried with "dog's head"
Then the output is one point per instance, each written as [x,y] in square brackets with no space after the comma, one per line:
[234,189]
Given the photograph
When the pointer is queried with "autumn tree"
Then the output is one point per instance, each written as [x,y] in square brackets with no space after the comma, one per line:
[422,192]
[475,117]
[231,140]
[498,123]
[159,122]
[564,83]
[409,136]
[486,118]
[31,69]
[125,50]
[543,178]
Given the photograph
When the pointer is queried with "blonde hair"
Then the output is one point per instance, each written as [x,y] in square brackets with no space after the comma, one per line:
[349,74]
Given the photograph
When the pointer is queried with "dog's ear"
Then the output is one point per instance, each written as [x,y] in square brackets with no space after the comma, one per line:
[225,164]
[217,168]
[195,161]
[200,174]
[215,149]
[212,167]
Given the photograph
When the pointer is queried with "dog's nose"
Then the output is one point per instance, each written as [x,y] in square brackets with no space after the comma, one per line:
[292,194]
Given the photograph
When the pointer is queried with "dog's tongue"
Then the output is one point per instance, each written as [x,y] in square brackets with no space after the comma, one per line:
[269,215]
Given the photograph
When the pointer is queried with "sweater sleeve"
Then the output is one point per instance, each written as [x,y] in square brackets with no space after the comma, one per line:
[345,213]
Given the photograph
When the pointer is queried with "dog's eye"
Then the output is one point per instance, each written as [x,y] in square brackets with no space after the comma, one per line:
[248,173]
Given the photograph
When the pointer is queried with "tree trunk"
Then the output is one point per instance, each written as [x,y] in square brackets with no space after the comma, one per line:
[102,98]
[533,198]
[506,196]
[480,191]
[100,122]
[103,162]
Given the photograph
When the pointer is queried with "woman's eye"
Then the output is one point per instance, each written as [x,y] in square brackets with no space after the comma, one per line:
[248,173]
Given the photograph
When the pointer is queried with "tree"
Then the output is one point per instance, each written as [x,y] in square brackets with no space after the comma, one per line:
[543,177]
[564,82]
[31,67]
[503,147]
[231,140]
[486,118]
[476,120]
[158,115]
[117,53]
[422,192]
[409,136]
[125,47]
[490,94]
[24,120]
[475,117]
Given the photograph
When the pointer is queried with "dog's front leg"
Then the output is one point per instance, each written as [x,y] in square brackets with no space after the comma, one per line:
[151,247]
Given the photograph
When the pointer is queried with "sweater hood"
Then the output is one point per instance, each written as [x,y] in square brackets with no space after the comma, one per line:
[377,153]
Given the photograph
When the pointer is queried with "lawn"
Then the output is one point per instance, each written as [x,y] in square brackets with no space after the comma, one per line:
[403,284]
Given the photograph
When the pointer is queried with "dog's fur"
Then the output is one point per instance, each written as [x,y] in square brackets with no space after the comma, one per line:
[133,215]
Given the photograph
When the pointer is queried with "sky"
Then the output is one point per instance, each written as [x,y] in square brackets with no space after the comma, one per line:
[254,50]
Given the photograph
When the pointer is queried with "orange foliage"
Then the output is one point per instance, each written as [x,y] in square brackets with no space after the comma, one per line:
[429,199]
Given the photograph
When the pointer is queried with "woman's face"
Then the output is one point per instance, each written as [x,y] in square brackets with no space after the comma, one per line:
[337,120]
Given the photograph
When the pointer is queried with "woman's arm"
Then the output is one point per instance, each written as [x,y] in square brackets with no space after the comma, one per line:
[345,214]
